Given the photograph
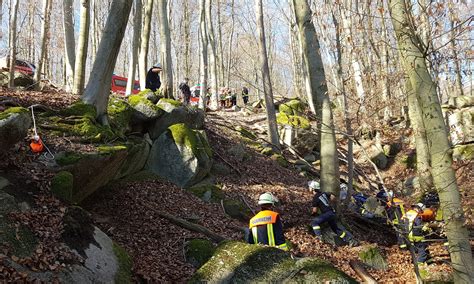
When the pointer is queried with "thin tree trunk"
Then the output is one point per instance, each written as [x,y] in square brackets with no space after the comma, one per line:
[82,46]
[44,38]
[444,177]
[203,56]
[12,37]
[423,163]
[187,40]
[69,43]
[457,66]
[384,59]
[137,26]
[267,84]
[144,44]
[221,51]
[165,38]
[213,56]
[318,97]
[229,47]
[98,88]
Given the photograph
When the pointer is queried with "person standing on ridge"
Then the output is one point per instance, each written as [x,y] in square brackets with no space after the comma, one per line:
[153,77]
[266,227]
[185,91]
[245,94]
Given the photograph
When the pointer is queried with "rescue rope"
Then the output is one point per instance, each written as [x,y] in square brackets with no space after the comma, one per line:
[37,137]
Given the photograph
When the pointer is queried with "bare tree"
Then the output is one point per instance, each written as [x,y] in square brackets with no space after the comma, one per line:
[137,26]
[98,88]
[203,74]
[213,56]
[12,37]
[267,84]
[444,178]
[165,37]
[44,38]
[317,95]
[144,44]
[231,37]
[82,46]
[69,43]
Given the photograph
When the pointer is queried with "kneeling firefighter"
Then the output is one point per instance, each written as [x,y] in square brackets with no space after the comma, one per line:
[266,227]
[415,229]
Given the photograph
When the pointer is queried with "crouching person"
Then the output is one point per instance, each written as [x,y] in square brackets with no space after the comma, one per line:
[266,227]
[416,231]
[321,206]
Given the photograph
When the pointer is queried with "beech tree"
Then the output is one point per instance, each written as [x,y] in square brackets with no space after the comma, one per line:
[12,37]
[98,88]
[165,38]
[69,43]
[82,46]
[137,26]
[144,44]
[44,38]
[203,72]
[414,63]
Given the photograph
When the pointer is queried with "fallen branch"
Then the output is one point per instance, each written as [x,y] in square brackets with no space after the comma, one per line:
[187,225]
[246,203]
[229,164]
[362,272]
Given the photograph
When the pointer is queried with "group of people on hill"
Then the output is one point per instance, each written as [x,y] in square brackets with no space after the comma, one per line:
[266,226]
[227,96]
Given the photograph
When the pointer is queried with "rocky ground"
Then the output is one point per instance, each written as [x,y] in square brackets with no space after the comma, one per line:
[156,245]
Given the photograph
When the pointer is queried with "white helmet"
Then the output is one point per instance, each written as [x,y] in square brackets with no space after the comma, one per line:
[421,206]
[267,198]
[343,186]
[314,185]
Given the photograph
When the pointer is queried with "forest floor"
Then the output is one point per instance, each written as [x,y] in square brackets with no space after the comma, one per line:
[156,245]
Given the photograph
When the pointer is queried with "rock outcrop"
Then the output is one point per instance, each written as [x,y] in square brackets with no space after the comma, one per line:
[236,262]
[14,125]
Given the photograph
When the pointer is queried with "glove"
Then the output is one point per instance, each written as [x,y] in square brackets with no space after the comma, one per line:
[426,229]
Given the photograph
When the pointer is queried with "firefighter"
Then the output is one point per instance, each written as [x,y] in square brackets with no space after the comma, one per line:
[266,227]
[321,206]
[395,210]
[415,229]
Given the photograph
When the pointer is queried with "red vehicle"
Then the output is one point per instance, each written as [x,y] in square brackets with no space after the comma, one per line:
[21,66]
[119,85]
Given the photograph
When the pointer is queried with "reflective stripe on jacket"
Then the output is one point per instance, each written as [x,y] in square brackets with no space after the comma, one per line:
[266,228]
[415,233]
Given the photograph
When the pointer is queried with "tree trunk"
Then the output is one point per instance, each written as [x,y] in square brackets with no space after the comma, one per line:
[44,38]
[69,43]
[82,46]
[267,84]
[441,155]
[318,97]
[203,55]
[144,44]
[423,163]
[221,51]
[165,38]
[187,40]
[98,88]
[229,47]
[137,26]
[213,58]
[457,66]
[12,37]
[384,60]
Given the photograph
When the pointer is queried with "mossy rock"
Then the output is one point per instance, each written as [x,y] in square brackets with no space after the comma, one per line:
[198,251]
[138,150]
[146,109]
[120,114]
[14,125]
[20,241]
[168,105]
[372,256]
[237,262]
[293,120]
[68,158]
[153,97]
[207,192]
[280,160]
[62,185]
[246,133]
[124,273]
[220,169]
[463,152]
[237,209]
[77,109]
[267,151]
[409,160]
[78,230]
[293,107]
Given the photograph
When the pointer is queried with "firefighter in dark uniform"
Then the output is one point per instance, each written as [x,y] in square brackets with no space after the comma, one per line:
[395,210]
[416,229]
[325,212]
[266,227]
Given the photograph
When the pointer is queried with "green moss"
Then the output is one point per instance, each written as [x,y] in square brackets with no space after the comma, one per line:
[135,100]
[68,158]
[171,102]
[21,240]
[80,109]
[237,209]
[372,256]
[207,192]
[293,120]
[284,108]
[280,160]
[409,161]
[124,273]
[62,185]
[246,133]
[320,271]
[267,151]
[199,251]
[293,107]
[120,114]
[183,135]
[111,149]
[9,111]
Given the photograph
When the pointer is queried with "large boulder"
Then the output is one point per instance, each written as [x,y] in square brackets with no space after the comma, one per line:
[300,140]
[146,109]
[236,262]
[181,155]
[14,125]
[293,107]
[138,150]
[463,152]
[461,125]
[21,79]
[175,113]
[461,101]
